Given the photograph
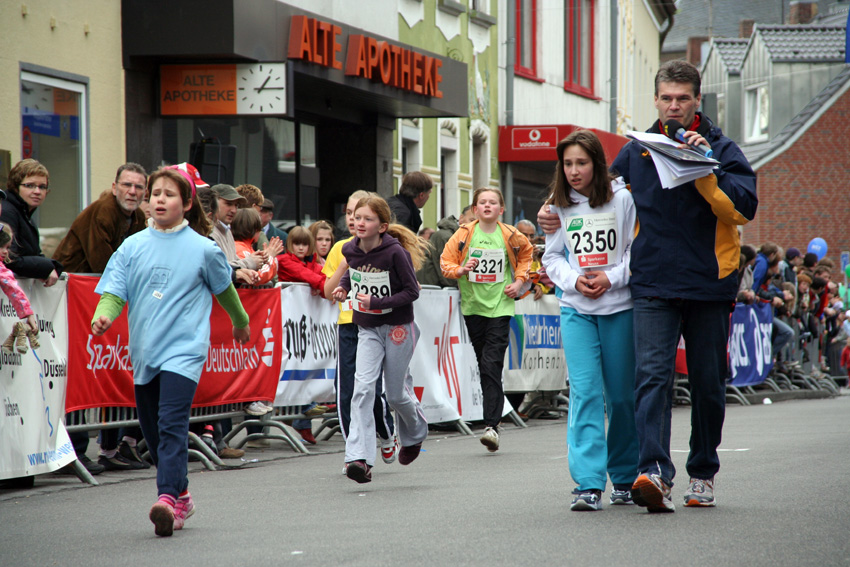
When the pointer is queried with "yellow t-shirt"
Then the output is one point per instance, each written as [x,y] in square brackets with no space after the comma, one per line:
[332,262]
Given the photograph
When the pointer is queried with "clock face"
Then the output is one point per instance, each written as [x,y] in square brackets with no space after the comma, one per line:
[261,88]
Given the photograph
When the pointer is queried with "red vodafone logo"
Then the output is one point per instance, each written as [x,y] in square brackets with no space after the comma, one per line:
[26,143]
[534,138]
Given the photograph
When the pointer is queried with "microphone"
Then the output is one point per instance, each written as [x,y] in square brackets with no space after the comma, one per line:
[674,130]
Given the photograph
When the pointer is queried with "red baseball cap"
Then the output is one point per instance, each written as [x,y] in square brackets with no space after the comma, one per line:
[193,173]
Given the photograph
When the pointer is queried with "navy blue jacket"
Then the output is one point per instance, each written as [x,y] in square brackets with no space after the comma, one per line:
[687,243]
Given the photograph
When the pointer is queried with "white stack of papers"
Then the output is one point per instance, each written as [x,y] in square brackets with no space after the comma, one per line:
[675,166]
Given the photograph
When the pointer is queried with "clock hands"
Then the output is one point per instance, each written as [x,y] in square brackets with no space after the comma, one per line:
[263,87]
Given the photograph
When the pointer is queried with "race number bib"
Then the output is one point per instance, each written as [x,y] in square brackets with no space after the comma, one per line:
[593,239]
[490,267]
[367,283]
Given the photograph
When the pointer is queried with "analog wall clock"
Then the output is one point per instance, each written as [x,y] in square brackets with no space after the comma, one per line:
[261,88]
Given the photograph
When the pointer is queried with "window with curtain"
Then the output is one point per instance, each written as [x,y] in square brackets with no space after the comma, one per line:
[579,56]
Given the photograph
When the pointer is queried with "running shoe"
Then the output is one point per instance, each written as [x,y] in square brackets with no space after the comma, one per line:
[409,454]
[621,497]
[490,439]
[359,471]
[700,493]
[184,508]
[162,516]
[652,493]
[388,449]
[586,500]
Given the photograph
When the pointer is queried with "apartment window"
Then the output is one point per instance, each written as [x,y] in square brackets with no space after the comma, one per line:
[526,39]
[480,6]
[579,46]
[757,114]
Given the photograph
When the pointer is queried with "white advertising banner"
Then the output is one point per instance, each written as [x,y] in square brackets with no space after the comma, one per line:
[535,358]
[33,439]
[444,368]
[309,348]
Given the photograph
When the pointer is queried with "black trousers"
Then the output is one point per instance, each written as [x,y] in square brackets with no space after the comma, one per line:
[490,336]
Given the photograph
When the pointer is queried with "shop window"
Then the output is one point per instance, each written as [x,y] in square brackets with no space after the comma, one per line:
[54,131]
[526,39]
[579,57]
[757,114]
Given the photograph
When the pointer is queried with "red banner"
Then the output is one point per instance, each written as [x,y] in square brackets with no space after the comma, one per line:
[100,373]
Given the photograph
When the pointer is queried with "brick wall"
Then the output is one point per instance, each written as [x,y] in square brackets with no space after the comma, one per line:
[805,192]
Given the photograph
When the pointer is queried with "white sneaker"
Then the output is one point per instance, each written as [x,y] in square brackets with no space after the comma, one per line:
[490,439]
[269,407]
[257,409]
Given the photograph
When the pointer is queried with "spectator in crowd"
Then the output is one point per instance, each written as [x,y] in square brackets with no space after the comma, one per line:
[793,261]
[845,352]
[195,269]
[426,232]
[596,323]
[430,273]
[266,215]
[94,236]
[347,339]
[387,335]
[254,198]
[323,236]
[246,228]
[527,228]
[692,297]
[26,189]
[765,269]
[412,195]
[300,263]
[809,261]
[745,275]
[229,201]
[491,261]
[467,215]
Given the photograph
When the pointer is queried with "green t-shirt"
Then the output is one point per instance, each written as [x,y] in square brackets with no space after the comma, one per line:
[487,299]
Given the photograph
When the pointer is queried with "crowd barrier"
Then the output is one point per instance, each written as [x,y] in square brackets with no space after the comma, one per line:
[290,360]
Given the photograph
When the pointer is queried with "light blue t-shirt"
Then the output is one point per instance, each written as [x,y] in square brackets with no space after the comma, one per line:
[167,279]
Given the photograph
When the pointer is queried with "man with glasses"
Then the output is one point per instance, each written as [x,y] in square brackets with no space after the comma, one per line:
[101,228]
[94,235]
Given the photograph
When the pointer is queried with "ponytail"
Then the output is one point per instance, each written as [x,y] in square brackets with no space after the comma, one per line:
[417,247]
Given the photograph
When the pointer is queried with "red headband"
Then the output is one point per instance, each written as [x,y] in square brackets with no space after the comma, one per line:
[186,175]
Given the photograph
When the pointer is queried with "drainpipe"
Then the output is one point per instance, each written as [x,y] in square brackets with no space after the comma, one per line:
[612,107]
[510,61]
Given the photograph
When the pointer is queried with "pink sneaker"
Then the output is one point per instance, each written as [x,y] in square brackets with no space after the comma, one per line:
[184,508]
[162,516]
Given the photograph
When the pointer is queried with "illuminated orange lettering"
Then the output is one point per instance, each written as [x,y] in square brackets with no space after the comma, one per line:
[356,61]
[299,39]
[405,74]
[335,46]
[385,61]
[417,61]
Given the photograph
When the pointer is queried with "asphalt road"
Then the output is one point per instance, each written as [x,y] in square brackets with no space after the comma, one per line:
[780,493]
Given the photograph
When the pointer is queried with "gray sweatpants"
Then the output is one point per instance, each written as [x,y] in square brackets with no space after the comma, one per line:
[388,348]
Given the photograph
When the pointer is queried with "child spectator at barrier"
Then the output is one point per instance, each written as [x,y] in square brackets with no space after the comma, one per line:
[300,264]
[246,228]
[347,332]
[323,235]
[27,328]
[596,318]
[478,255]
[166,274]
[383,258]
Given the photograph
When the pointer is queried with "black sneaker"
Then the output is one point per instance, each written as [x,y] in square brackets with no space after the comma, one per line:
[118,463]
[91,466]
[358,471]
[132,454]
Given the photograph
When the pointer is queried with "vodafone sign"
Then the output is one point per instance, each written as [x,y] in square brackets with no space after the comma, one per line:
[538,143]
[534,138]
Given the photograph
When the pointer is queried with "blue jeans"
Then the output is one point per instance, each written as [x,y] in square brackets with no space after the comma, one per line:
[601,363]
[705,328]
[782,335]
[164,405]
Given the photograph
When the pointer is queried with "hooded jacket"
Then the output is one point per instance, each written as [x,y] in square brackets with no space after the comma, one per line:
[687,244]
[388,256]
[430,272]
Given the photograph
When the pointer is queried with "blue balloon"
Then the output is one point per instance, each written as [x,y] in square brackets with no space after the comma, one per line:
[818,247]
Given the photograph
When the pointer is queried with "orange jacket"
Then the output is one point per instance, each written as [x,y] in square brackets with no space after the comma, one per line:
[520,251]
